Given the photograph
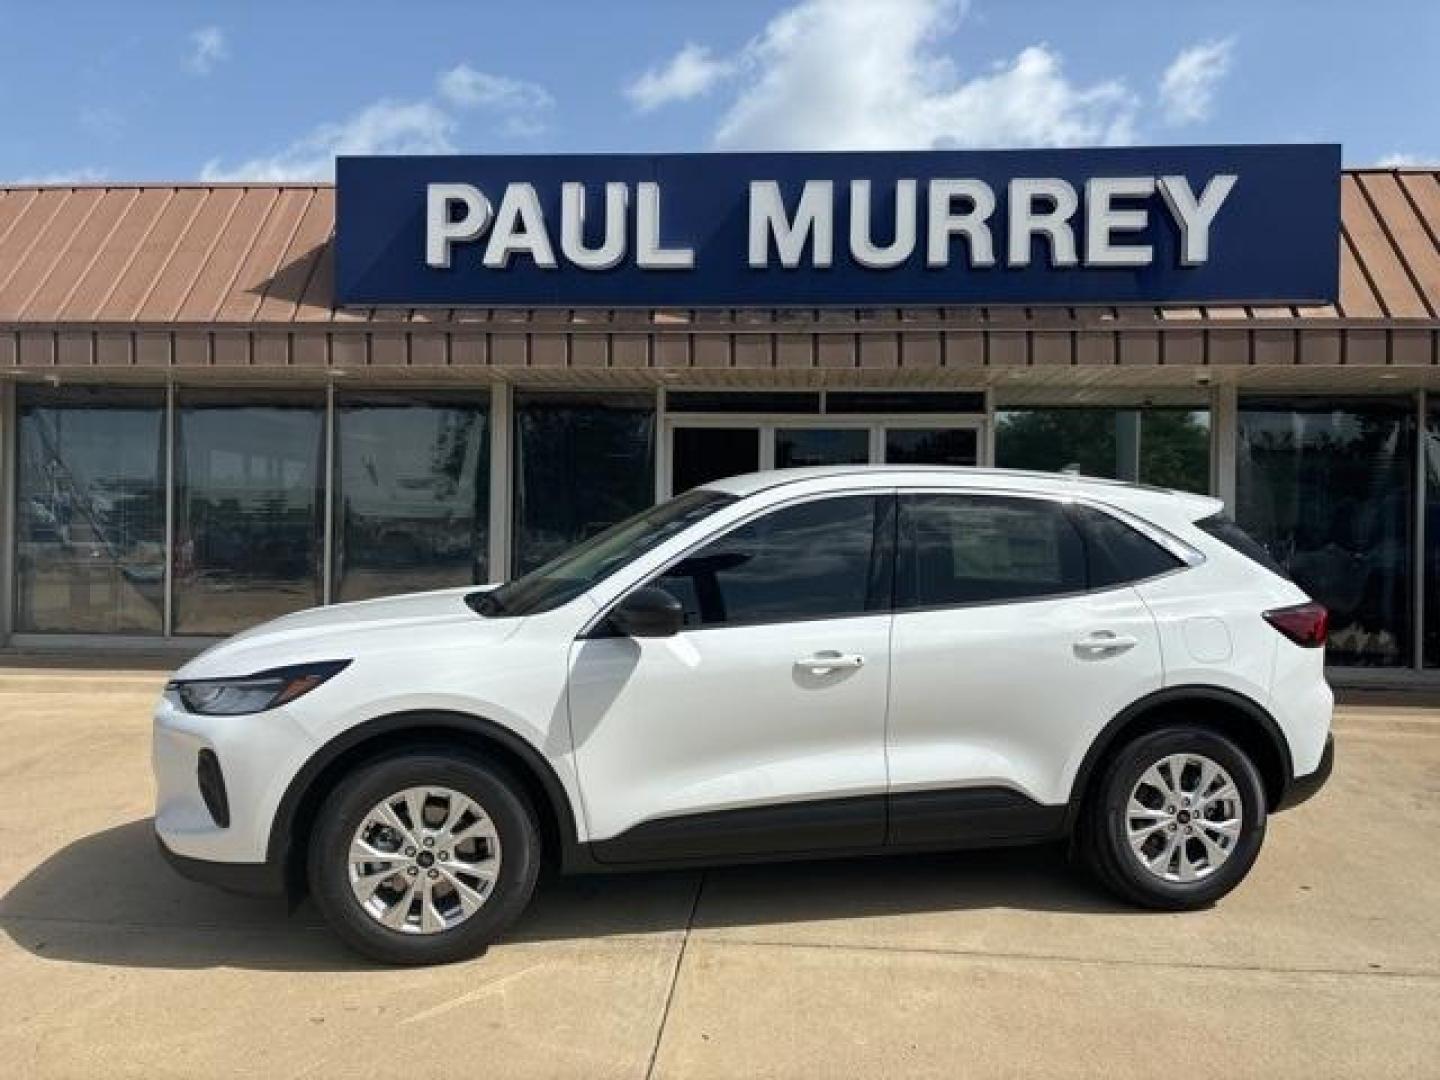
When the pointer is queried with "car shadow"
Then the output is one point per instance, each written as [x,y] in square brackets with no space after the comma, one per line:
[110,898]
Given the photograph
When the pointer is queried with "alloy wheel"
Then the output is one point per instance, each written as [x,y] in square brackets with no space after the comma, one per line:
[424,860]
[1184,818]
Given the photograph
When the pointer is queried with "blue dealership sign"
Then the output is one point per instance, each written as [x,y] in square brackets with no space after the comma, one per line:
[1142,225]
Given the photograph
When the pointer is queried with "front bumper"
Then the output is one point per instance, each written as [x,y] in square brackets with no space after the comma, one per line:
[251,761]
[251,879]
[1303,788]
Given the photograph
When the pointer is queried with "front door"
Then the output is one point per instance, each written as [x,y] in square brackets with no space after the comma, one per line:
[761,726]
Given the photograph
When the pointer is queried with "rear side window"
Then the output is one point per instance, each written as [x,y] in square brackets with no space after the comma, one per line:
[971,549]
[1116,554]
[1233,536]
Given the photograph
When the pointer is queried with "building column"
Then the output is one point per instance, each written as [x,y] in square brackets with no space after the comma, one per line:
[1127,445]
[501,503]
[9,449]
[1224,441]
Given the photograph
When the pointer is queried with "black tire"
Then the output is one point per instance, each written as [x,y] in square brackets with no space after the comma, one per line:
[1104,844]
[504,802]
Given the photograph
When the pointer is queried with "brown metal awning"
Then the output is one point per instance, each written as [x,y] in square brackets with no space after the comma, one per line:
[195,275]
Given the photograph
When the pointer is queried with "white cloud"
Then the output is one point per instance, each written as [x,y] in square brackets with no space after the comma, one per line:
[857,75]
[386,127]
[428,126]
[1187,89]
[87,174]
[1409,161]
[521,106]
[690,73]
[207,48]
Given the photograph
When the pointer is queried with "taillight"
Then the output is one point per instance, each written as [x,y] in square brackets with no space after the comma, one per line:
[1305,624]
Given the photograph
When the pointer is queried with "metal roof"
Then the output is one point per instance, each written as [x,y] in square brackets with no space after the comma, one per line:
[171,255]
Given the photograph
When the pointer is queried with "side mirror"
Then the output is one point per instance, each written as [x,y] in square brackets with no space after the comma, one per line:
[648,612]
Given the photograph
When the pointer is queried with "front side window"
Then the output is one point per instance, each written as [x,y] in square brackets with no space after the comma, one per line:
[817,559]
[979,549]
[585,566]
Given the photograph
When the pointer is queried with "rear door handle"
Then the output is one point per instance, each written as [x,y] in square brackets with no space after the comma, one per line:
[1103,644]
[829,660]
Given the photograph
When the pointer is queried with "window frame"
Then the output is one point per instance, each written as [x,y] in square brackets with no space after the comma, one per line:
[884,542]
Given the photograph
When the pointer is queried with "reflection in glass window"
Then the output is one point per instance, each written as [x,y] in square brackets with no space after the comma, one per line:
[1432,537]
[932,446]
[702,454]
[1168,448]
[582,463]
[90,511]
[802,562]
[972,549]
[412,494]
[797,448]
[1327,488]
[248,508]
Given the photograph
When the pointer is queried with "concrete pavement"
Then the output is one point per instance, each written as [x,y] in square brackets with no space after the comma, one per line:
[1325,963]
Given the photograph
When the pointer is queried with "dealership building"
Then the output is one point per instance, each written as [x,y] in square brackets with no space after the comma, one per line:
[202,427]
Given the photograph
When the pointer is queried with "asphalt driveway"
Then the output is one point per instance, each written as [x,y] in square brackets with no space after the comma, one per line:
[1325,963]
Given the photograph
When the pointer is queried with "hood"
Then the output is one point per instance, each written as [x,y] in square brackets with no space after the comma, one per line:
[343,632]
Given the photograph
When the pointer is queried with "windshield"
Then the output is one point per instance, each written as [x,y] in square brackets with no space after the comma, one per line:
[582,567]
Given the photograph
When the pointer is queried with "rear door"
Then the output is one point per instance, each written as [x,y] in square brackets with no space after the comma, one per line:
[1005,664]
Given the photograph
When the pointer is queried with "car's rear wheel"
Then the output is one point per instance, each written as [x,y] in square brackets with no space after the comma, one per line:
[1176,819]
[424,857]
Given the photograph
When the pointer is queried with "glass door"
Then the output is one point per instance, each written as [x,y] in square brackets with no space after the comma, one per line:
[700,449]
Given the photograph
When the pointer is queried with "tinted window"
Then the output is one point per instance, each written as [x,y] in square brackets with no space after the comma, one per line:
[248,508]
[1115,553]
[967,549]
[808,561]
[702,454]
[411,509]
[1328,487]
[1228,533]
[577,570]
[582,463]
[90,510]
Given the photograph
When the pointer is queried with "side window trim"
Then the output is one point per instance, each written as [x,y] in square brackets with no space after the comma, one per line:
[886,508]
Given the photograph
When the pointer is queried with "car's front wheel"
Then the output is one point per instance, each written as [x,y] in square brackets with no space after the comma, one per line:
[424,857]
[1176,819]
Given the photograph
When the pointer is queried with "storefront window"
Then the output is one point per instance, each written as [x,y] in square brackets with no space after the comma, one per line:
[1328,488]
[248,508]
[1431,447]
[90,511]
[1166,447]
[582,463]
[412,493]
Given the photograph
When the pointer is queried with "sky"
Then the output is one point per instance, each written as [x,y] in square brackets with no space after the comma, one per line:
[262,90]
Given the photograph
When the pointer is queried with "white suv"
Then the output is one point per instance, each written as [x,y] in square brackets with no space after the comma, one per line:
[783,665]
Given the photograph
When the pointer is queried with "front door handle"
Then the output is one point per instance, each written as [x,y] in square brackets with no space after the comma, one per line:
[1103,644]
[822,663]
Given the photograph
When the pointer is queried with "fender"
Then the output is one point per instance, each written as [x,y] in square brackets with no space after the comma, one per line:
[287,813]
[1181,695]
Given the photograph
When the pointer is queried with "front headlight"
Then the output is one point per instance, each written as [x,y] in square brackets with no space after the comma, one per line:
[253,693]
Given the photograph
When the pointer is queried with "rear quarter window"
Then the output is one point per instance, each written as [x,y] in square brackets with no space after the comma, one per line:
[1222,528]
[1116,554]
